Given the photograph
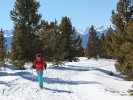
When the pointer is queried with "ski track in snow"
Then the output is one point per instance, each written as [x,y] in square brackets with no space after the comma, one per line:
[84,80]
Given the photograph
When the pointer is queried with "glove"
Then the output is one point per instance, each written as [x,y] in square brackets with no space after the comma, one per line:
[45,67]
[34,67]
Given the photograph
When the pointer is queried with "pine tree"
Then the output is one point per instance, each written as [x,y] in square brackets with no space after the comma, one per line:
[69,38]
[58,54]
[52,43]
[66,31]
[17,50]
[122,39]
[76,49]
[47,35]
[2,48]
[79,49]
[109,43]
[27,25]
[92,50]
[61,42]
[102,53]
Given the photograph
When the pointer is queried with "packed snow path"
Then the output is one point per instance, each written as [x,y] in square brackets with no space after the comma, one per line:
[83,80]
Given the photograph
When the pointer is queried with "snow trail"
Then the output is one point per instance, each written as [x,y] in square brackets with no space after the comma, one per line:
[83,80]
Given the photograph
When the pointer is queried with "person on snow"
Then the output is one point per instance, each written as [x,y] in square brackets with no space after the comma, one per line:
[39,64]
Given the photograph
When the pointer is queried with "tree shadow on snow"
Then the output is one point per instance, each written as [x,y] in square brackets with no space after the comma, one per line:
[57,90]
[110,73]
[7,66]
[5,83]
[71,68]
[31,77]
[26,75]
[3,74]
[65,82]
[83,69]
[11,67]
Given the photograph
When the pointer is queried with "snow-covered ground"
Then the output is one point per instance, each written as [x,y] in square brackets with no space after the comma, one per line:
[83,80]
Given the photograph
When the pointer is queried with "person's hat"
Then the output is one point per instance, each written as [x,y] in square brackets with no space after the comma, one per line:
[38,55]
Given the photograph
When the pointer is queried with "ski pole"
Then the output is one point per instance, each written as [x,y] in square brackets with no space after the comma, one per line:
[32,75]
[46,77]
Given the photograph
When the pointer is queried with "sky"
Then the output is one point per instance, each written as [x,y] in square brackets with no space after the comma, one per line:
[82,13]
